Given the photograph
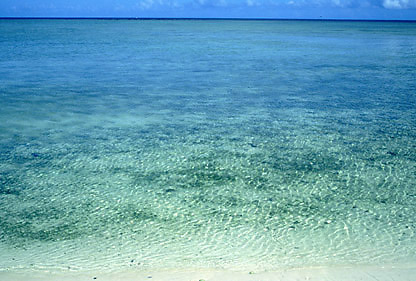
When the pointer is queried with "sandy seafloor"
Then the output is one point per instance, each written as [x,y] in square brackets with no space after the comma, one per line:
[188,150]
[385,273]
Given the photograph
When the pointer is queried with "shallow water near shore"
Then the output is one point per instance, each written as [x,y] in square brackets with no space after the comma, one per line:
[206,144]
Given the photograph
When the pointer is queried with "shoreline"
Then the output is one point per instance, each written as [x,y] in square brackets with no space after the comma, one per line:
[346,273]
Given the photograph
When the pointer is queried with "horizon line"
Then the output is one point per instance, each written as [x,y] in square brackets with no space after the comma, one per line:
[203,18]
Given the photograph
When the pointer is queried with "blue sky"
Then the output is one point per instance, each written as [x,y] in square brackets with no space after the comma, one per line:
[333,9]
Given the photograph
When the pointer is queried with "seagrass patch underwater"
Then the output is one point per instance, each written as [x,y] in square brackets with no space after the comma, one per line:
[222,144]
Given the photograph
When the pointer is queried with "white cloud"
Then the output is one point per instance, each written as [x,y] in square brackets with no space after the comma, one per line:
[146,4]
[252,3]
[388,4]
[212,3]
[329,3]
[393,4]
[154,4]
[399,4]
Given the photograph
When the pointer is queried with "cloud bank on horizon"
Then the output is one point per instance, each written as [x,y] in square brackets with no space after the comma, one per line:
[354,9]
[388,4]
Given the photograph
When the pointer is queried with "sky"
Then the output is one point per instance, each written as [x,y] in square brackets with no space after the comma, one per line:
[287,9]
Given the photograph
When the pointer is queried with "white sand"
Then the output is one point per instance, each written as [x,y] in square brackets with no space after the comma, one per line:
[390,273]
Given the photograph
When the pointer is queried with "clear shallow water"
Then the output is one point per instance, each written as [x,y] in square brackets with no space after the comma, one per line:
[227,144]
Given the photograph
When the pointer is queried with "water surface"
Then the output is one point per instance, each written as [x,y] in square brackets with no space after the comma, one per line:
[224,144]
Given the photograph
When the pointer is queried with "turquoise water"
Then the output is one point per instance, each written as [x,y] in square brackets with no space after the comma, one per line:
[132,145]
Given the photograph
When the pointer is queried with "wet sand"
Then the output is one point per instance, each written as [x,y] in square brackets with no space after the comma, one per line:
[353,273]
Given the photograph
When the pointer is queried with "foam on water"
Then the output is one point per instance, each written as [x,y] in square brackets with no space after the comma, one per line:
[160,144]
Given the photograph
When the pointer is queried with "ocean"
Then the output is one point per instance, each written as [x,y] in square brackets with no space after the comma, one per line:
[230,144]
